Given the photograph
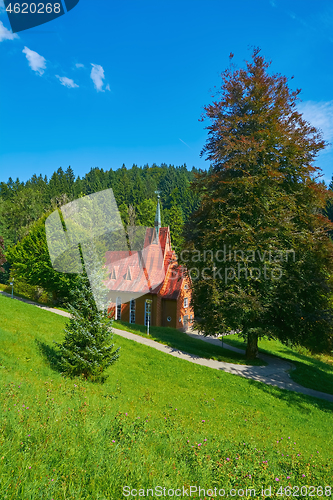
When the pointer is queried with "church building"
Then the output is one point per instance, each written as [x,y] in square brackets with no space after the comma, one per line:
[149,280]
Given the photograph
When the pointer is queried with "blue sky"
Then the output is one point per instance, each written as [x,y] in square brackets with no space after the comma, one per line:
[115,82]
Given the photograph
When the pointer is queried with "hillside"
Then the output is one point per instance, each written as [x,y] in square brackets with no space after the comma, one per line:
[157,420]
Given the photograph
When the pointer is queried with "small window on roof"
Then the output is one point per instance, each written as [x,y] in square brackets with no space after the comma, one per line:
[112,275]
[128,274]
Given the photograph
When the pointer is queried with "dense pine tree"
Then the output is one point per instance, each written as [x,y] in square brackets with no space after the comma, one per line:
[2,256]
[87,349]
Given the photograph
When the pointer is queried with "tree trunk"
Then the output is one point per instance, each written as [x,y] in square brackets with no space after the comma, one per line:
[252,345]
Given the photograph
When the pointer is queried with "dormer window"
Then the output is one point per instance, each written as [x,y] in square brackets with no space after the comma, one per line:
[128,274]
[112,275]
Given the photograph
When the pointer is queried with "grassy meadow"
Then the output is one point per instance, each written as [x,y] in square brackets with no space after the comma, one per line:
[180,340]
[312,371]
[157,420]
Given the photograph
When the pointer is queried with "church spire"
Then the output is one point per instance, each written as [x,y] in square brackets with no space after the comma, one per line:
[157,223]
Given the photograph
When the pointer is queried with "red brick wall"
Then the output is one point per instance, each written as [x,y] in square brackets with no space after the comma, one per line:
[181,310]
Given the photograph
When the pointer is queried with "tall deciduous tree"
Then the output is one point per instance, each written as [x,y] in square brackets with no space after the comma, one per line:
[262,255]
[30,260]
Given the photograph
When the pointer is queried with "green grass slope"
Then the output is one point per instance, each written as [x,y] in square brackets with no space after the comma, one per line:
[180,340]
[312,371]
[156,421]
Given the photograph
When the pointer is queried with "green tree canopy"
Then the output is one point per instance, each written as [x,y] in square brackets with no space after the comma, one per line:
[175,219]
[30,260]
[262,253]
[2,256]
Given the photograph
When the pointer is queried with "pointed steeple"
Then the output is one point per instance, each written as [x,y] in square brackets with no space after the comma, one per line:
[157,223]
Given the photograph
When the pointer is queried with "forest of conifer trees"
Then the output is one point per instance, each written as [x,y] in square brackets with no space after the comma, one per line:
[22,204]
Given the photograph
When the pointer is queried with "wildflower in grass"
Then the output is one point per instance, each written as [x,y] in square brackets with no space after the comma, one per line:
[277,479]
[202,421]
[205,439]
[303,475]
[228,459]
[199,444]
[288,477]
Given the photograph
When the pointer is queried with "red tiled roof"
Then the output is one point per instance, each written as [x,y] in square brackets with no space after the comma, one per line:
[152,270]
[173,282]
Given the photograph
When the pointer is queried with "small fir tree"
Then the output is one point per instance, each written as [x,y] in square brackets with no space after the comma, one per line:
[87,349]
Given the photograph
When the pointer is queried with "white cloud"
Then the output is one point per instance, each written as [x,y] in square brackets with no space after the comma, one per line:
[320,115]
[36,62]
[5,34]
[79,65]
[97,76]
[67,82]
[108,87]
[2,7]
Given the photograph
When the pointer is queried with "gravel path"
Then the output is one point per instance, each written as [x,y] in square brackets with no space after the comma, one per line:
[275,373]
